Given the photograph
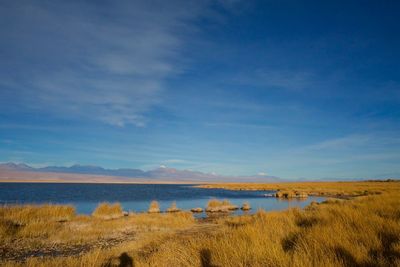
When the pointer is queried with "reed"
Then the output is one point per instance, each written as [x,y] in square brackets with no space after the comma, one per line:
[108,211]
[246,206]
[154,207]
[173,208]
[37,213]
[215,205]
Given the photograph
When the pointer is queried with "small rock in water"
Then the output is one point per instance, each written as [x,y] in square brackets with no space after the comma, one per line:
[196,210]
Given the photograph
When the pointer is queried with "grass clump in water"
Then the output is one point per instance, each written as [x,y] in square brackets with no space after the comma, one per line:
[246,206]
[215,205]
[154,207]
[173,208]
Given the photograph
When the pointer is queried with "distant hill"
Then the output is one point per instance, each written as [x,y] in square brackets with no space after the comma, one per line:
[161,173]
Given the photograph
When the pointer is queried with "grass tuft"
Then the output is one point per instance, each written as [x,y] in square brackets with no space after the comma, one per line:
[108,211]
[215,205]
[173,208]
[154,207]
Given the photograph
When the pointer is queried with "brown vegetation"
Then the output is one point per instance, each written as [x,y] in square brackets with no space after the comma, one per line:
[35,231]
[291,194]
[214,205]
[246,206]
[154,207]
[336,189]
[173,208]
[361,231]
[108,211]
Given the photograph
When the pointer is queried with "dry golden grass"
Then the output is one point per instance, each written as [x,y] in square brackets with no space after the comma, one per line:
[136,231]
[108,211]
[32,221]
[173,208]
[39,228]
[246,206]
[362,231]
[315,188]
[38,213]
[215,205]
[154,207]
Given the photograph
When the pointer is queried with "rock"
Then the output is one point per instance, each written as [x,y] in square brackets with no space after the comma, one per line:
[291,194]
[154,210]
[196,210]
[173,210]
[224,208]
[301,195]
[232,207]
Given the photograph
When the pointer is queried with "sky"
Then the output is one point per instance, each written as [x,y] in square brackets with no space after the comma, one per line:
[293,89]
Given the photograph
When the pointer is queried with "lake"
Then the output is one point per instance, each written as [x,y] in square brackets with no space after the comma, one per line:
[137,197]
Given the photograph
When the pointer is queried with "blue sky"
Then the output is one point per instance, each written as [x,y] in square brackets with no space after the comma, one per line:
[294,89]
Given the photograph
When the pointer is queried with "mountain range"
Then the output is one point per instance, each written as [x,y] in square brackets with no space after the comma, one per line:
[161,173]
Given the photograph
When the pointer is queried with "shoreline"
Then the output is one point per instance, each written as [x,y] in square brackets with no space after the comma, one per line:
[101,182]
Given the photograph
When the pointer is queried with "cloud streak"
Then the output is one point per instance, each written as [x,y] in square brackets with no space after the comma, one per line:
[68,60]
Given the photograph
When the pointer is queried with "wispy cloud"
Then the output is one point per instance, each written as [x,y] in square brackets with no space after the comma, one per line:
[239,125]
[70,61]
[175,161]
[348,142]
[283,78]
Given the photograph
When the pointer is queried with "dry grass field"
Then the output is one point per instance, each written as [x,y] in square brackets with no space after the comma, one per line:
[351,231]
[336,189]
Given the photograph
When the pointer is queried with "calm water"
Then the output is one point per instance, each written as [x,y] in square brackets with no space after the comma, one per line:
[136,197]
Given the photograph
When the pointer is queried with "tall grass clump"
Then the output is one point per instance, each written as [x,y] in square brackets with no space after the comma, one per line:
[246,206]
[33,220]
[173,208]
[215,205]
[25,214]
[154,207]
[107,210]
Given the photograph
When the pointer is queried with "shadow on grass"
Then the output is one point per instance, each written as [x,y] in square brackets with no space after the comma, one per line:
[388,253]
[124,260]
[289,242]
[206,259]
[346,257]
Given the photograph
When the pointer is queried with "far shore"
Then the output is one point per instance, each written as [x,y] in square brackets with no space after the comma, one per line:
[55,177]
[99,182]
